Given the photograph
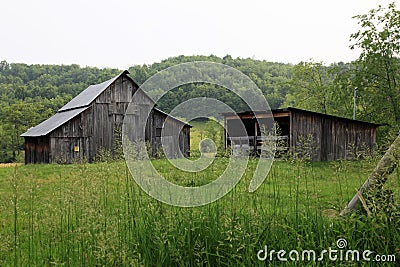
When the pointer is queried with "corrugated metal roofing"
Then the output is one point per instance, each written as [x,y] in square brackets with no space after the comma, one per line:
[52,123]
[88,95]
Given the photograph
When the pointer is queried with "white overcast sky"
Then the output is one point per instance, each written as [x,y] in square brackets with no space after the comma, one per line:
[123,33]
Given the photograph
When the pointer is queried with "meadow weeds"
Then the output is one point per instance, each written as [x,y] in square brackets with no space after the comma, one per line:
[96,215]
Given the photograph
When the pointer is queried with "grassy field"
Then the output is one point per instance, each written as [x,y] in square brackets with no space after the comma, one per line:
[96,215]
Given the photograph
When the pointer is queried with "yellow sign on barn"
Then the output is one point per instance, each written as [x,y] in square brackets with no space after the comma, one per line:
[76,148]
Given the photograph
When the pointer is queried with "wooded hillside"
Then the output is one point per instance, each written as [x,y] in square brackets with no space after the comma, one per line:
[30,94]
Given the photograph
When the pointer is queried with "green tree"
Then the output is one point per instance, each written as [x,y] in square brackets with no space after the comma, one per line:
[377,70]
[311,87]
[18,117]
[378,75]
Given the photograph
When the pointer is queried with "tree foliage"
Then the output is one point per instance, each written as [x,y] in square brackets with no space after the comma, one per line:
[375,76]
[311,87]
[377,70]
[272,78]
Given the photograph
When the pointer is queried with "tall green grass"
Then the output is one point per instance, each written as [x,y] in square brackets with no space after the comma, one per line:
[96,215]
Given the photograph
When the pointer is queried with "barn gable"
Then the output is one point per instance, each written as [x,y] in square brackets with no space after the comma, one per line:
[87,96]
[90,122]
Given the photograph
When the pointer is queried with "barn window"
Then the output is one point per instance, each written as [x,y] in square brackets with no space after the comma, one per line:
[158,132]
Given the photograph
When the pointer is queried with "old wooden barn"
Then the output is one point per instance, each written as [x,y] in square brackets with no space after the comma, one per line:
[331,137]
[92,121]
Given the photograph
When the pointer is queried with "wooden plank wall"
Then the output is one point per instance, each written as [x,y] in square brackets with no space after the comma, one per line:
[332,138]
[304,125]
[108,113]
[76,132]
[176,135]
[37,150]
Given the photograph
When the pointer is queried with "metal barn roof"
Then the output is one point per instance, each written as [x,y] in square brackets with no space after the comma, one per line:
[52,123]
[88,95]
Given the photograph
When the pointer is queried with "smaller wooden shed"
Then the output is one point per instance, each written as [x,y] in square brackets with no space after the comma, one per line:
[331,137]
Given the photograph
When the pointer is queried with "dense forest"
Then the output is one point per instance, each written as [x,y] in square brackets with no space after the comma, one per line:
[30,94]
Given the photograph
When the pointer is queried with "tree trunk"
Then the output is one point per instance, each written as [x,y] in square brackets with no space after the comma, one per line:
[380,174]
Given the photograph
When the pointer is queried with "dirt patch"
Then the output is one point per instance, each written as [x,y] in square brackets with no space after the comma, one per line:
[6,165]
[331,213]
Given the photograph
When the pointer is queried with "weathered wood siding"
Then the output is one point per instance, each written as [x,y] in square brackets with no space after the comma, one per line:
[37,150]
[108,113]
[138,119]
[176,135]
[71,141]
[303,128]
[331,137]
